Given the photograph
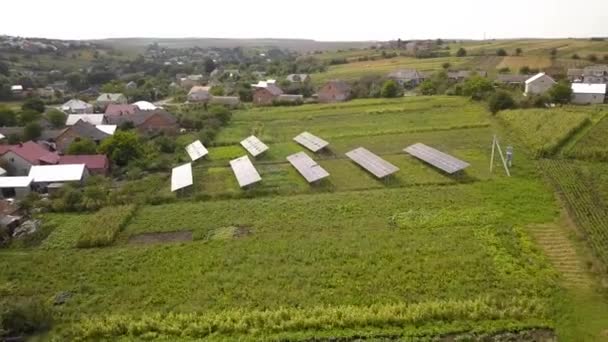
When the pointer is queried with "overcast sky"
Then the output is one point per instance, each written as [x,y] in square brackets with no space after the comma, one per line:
[314,19]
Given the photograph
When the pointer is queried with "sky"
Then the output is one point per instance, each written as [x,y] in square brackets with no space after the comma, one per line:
[324,20]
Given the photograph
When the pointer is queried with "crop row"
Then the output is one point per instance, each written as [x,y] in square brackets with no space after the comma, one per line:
[102,228]
[584,203]
[594,146]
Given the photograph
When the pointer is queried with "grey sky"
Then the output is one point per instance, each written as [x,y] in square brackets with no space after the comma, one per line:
[314,19]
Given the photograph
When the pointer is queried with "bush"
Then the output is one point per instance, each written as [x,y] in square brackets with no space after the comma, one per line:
[504,70]
[33,104]
[32,131]
[561,93]
[56,118]
[461,52]
[390,89]
[82,146]
[575,56]
[24,318]
[103,228]
[501,52]
[500,100]
[477,87]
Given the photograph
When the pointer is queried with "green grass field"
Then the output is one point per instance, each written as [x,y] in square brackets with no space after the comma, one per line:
[418,256]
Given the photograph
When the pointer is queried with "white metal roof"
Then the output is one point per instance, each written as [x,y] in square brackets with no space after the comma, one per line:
[535,77]
[145,105]
[196,150]
[57,173]
[2,136]
[181,177]
[2,171]
[15,182]
[588,88]
[244,171]
[254,146]
[16,87]
[109,129]
[93,119]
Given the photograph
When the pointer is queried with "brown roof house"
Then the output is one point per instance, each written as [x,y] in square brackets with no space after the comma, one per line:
[265,93]
[97,164]
[121,109]
[406,77]
[595,74]
[106,99]
[334,91]
[199,94]
[512,78]
[18,159]
[149,122]
[80,130]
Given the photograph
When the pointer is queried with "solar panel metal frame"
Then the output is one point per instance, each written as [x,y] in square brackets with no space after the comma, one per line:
[311,142]
[181,177]
[254,146]
[372,162]
[436,158]
[307,167]
[246,174]
[196,150]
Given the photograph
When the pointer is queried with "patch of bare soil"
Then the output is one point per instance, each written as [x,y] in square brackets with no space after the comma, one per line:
[154,238]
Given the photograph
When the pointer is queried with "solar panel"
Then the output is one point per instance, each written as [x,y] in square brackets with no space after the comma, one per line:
[244,171]
[311,142]
[307,167]
[181,177]
[436,158]
[196,150]
[254,146]
[372,163]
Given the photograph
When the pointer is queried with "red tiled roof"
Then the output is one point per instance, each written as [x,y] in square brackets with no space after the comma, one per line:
[121,109]
[33,153]
[91,161]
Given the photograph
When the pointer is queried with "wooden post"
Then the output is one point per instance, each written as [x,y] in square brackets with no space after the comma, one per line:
[492,158]
[504,163]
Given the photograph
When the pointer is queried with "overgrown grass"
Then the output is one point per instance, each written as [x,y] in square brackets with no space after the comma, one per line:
[102,228]
[594,145]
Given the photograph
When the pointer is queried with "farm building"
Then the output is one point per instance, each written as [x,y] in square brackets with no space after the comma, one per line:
[595,74]
[18,159]
[121,109]
[149,122]
[76,106]
[190,81]
[81,130]
[265,93]
[15,187]
[461,75]
[97,164]
[93,119]
[106,99]
[407,77]
[199,94]
[334,91]
[587,93]
[145,105]
[575,75]
[44,175]
[539,84]
[512,79]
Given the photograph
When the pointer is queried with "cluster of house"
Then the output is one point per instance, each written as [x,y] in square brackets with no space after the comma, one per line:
[412,77]
[42,165]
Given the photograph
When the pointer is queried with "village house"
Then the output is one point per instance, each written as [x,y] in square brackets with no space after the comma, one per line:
[17,187]
[199,94]
[595,74]
[462,75]
[97,164]
[334,91]
[106,99]
[45,93]
[149,122]
[191,81]
[131,85]
[45,176]
[18,159]
[80,130]
[290,99]
[575,75]
[265,93]
[93,119]
[406,77]
[539,84]
[76,106]
[298,78]
[588,93]
[145,105]
[121,109]
[17,90]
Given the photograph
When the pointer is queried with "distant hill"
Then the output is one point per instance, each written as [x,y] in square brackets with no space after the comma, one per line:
[300,45]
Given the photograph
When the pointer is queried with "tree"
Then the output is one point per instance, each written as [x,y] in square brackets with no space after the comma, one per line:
[28,116]
[32,131]
[461,52]
[501,52]
[7,117]
[76,81]
[592,58]
[56,118]
[217,90]
[575,56]
[390,89]
[33,104]
[477,87]
[500,100]
[560,93]
[446,65]
[553,53]
[82,146]
[209,65]
[525,70]
[427,87]
[605,58]
[122,147]
[518,51]
[4,69]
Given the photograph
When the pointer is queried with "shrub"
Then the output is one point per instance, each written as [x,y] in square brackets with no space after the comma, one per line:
[390,89]
[461,52]
[477,87]
[82,146]
[103,227]
[575,56]
[34,105]
[24,318]
[592,58]
[501,52]
[501,100]
[561,93]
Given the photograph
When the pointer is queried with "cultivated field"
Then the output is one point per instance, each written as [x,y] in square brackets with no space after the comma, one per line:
[417,256]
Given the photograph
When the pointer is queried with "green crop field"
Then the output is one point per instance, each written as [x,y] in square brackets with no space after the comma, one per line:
[594,145]
[415,257]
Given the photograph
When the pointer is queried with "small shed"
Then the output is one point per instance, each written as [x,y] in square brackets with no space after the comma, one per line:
[15,187]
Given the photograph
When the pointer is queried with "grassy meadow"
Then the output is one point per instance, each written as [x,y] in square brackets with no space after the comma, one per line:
[420,255]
